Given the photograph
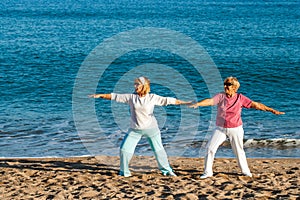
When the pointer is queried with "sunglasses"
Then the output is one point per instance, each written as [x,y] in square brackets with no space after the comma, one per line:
[228,84]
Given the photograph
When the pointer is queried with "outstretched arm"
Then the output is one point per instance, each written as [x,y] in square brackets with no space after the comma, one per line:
[204,102]
[103,96]
[260,106]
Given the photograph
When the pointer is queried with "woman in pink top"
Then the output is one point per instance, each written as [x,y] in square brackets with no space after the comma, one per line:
[229,123]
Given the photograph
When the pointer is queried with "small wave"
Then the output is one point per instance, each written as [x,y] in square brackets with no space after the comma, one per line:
[47,157]
[275,143]
[280,143]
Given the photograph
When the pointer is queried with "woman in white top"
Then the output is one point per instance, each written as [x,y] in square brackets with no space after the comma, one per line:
[143,123]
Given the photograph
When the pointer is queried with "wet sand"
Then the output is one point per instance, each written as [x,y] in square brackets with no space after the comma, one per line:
[97,178]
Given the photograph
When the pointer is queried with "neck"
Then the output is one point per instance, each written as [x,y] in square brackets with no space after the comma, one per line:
[142,95]
[230,95]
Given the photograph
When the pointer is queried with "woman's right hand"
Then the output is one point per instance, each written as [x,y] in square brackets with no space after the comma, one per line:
[93,96]
[102,96]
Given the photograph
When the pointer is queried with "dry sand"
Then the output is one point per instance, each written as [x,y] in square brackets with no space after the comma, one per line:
[97,178]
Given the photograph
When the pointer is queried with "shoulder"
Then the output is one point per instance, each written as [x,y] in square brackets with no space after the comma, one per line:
[241,96]
[219,95]
[127,96]
[151,95]
[156,97]
[122,94]
[245,101]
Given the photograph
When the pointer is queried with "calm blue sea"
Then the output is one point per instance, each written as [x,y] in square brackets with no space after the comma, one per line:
[44,43]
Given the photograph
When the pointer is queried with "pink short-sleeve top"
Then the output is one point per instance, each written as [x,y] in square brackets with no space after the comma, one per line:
[230,109]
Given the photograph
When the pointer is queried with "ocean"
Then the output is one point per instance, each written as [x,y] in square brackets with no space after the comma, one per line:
[55,53]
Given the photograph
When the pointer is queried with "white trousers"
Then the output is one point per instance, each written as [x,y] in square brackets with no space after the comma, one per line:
[219,135]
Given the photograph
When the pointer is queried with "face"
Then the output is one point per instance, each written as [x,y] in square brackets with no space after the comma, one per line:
[229,88]
[138,87]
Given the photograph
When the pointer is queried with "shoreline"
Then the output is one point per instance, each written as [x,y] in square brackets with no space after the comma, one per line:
[136,155]
[96,177]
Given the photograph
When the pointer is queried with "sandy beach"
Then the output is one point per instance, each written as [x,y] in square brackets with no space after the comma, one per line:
[97,178]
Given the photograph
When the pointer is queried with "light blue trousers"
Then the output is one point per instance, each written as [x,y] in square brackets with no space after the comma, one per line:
[129,144]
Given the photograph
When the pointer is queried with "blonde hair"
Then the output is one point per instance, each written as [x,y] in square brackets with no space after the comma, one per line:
[146,84]
[234,82]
